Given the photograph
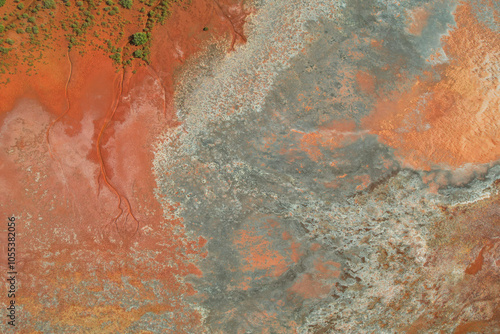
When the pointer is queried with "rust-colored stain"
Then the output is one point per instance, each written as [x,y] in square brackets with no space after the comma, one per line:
[477,265]
[417,20]
[308,287]
[366,82]
[260,255]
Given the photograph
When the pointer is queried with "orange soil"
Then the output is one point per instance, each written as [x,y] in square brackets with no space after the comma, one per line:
[318,283]
[262,253]
[79,163]
[452,121]
[418,20]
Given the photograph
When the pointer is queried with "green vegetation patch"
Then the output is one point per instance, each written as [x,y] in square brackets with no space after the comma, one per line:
[101,19]
[139,38]
[4,50]
[126,3]
[49,4]
[138,53]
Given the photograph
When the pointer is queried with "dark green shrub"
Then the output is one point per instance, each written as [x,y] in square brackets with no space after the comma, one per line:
[126,3]
[4,50]
[139,38]
[49,4]
[138,53]
[116,57]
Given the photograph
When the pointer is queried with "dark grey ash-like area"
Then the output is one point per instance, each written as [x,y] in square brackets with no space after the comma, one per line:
[234,172]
